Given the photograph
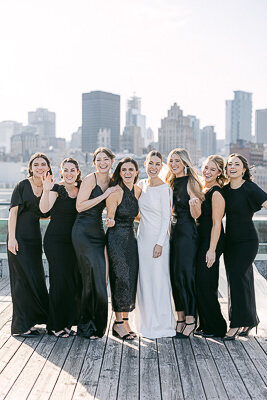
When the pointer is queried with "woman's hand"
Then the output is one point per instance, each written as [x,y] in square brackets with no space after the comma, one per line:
[194,202]
[48,182]
[210,258]
[13,246]
[109,222]
[157,251]
[111,189]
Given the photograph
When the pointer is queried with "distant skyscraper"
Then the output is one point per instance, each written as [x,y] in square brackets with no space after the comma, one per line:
[45,123]
[261,126]
[134,116]
[176,131]
[25,143]
[76,139]
[208,141]
[7,130]
[100,111]
[238,117]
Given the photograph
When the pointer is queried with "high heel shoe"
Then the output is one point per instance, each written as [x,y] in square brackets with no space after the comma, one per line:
[179,322]
[227,338]
[130,332]
[181,335]
[116,334]
[246,332]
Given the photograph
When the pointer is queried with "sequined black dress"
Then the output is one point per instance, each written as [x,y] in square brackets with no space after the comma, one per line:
[27,279]
[240,251]
[183,249]
[123,254]
[211,320]
[63,279]
[88,239]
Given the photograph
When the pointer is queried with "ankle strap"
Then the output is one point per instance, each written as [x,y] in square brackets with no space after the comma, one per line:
[118,322]
[125,319]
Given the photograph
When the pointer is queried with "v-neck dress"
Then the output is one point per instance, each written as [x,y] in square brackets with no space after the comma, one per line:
[27,279]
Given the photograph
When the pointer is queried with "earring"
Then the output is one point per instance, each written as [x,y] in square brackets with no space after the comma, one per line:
[185,170]
[243,173]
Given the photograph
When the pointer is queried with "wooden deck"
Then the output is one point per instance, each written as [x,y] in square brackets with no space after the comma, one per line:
[75,368]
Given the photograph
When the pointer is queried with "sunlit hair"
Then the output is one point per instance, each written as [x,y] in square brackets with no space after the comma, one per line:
[75,162]
[116,179]
[103,150]
[247,174]
[219,162]
[154,153]
[193,178]
[33,157]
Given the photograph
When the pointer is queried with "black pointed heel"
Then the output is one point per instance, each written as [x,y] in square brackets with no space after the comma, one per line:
[116,334]
[181,335]
[226,338]
[246,332]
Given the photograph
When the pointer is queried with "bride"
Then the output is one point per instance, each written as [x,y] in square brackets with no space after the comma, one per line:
[154,315]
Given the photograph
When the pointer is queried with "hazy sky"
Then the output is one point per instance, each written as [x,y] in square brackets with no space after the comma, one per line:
[193,52]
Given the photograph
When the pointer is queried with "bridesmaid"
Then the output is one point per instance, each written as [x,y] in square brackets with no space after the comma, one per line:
[187,197]
[211,243]
[88,239]
[27,279]
[155,317]
[122,208]
[61,200]
[243,198]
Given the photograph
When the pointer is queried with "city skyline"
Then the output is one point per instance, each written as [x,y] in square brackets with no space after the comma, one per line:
[192,53]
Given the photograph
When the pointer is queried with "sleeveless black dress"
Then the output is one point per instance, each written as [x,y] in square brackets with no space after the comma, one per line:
[183,249]
[88,238]
[60,254]
[123,254]
[211,320]
[27,279]
[240,251]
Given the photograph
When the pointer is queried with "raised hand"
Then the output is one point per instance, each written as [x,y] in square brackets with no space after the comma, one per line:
[48,182]
[112,189]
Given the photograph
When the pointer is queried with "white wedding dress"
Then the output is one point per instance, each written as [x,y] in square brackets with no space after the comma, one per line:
[154,315]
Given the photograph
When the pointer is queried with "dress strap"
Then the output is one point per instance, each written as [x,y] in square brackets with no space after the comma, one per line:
[95,178]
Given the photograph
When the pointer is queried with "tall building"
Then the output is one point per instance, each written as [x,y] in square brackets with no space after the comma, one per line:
[100,110]
[76,139]
[253,152]
[238,117]
[134,117]
[132,140]
[176,131]
[45,123]
[261,126]
[26,143]
[7,130]
[208,141]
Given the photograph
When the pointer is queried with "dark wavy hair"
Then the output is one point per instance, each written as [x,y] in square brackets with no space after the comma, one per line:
[116,179]
[75,162]
[38,155]
[247,174]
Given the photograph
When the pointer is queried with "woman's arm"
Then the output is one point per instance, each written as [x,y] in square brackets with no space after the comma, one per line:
[12,244]
[194,204]
[166,206]
[218,207]
[112,203]
[264,204]
[48,198]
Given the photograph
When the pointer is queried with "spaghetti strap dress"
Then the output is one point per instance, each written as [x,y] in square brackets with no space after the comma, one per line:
[27,278]
[88,238]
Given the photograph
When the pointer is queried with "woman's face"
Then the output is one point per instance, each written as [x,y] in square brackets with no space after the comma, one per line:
[153,166]
[69,173]
[175,165]
[128,172]
[210,172]
[39,167]
[103,163]
[235,168]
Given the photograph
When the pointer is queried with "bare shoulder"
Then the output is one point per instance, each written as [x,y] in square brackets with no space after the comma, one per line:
[217,196]
[116,196]
[137,191]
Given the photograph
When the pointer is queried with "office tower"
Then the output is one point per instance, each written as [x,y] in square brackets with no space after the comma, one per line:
[149,136]
[253,152]
[208,141]
[76,139]
[175,131]
[132,140]
[100,111]
[261,126]
[238,117]
[134,117]
[7,130]
[45,123]
[26,143]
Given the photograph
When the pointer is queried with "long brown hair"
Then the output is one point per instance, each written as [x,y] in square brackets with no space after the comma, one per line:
[33,157]
[219,162]
[116,179]
[247,174]
[103,150]
[193,178]
[75,162]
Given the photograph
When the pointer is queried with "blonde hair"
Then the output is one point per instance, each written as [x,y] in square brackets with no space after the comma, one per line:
[193,178]
[220,164]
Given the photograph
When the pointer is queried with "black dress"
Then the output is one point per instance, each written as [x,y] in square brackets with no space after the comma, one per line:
[240,251]
[27,279]
[183,249]
[63,301]
[211,320]
[88,239]
[123,254]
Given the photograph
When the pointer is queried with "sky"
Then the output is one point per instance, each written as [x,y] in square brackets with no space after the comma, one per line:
[192,52]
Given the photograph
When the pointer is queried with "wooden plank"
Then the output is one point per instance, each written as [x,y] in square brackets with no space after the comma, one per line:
[249,374]
[69,375]
[5,312]
[16,364]
[257,355]
[8,350]
[24,383]
[149,370]
[230,377]
[262,342]
[129,375]
[5,333]
[209,374]
[5,294]
[3,283]
[191,382]
[45,383]
[171,386]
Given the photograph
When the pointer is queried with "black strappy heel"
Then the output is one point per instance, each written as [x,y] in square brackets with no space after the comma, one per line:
[181,335]
[116,334]
[132,333]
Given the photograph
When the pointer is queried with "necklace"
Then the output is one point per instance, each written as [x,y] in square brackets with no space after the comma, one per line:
[35,183]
